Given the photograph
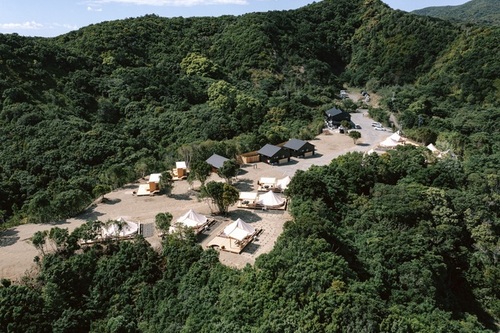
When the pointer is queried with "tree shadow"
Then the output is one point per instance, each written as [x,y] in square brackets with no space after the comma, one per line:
[245,215]
[110,201]
[244,185]
[242,172]
[89,214]
[182,196]
[9,237]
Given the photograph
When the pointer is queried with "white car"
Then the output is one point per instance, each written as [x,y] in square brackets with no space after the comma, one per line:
[376,125]
[379,128]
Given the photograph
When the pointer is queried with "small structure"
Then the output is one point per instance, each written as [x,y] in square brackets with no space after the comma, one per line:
[235,237]
[216,161]
[299,148]
[152,186]
[193,220]
[180,171]
[335,116]
[250,157]
[266,184]
[433,148]
[272,154]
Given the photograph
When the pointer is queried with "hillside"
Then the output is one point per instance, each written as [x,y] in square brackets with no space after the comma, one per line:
[401,242]
[474,11]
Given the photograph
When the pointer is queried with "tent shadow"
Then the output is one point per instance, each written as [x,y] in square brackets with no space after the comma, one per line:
[110,201]
[181,196]
[244,185]
[245,215]
[251,248]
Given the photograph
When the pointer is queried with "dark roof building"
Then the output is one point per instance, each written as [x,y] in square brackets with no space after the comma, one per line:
[336,116]
[299,148]
[273,154]
[216,161]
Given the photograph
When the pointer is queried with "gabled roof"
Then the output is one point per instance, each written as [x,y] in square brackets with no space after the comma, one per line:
[333,112]
[154,177]
[269,150]
[295,144]
[180,165]
[216,161]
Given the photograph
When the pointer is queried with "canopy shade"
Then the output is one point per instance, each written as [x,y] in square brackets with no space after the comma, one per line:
[251,196]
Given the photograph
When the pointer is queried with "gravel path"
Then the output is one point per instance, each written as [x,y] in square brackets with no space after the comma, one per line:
[17,252]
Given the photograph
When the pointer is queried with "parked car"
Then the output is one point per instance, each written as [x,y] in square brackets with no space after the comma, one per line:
[379,128]
[375,124]
[357,126]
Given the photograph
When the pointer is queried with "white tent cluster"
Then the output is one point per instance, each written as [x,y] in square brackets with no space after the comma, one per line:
[436,151]
[393,141]
[239,230]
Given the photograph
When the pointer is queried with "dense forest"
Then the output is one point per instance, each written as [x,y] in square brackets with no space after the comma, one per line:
[473,11]
[401,242]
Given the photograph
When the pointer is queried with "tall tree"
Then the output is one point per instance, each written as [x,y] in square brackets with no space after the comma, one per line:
[222,195]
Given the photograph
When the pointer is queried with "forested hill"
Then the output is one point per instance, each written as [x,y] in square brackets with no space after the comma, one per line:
[94,108]
[401,242]
[474,11]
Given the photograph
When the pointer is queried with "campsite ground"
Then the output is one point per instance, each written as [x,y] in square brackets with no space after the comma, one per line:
[17,252]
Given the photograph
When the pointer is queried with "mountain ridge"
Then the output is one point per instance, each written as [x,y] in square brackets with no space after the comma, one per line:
[474,11]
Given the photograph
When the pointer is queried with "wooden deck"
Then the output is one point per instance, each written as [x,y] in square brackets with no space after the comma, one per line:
[232,245]
[262,207]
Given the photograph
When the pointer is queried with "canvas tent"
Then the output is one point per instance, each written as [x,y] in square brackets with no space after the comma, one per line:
[282,183]
[239,230]
[119,228]
[266,183]
[192,219]
[389,143]
[270,199]
[396,137]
